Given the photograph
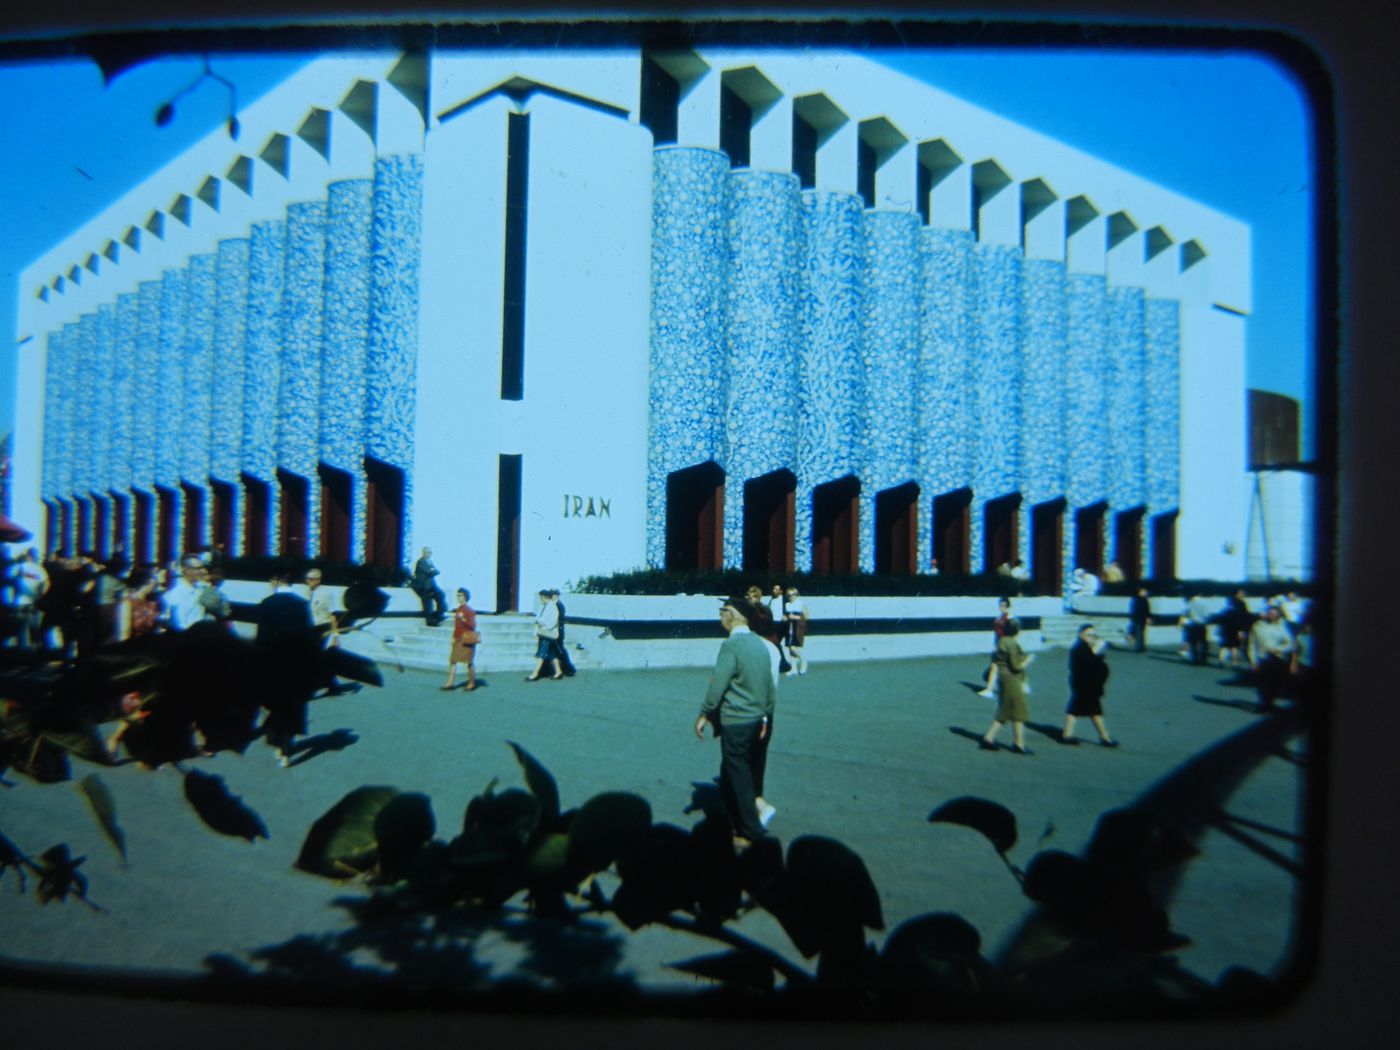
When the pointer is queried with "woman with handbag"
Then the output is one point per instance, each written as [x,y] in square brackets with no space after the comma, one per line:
[547,634]
[464,641]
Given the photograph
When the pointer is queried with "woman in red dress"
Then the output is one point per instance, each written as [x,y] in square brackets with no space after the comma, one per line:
[464,641]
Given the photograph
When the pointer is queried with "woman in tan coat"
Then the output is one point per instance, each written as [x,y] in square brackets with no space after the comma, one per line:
[1011,664]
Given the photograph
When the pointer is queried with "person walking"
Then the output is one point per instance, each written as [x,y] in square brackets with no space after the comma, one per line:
[561,651]
[1139,613]
[1011,664]
[546,638]
[1088,673]
[1270,653]
[998,630]
[739,705]
[465,639]
[795,612]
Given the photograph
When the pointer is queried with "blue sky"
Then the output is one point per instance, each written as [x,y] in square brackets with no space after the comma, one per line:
[1229,129]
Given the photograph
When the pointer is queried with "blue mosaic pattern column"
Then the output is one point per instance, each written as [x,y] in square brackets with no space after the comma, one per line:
[946,433]
[170,387]
[1044,335]
[103,377]
[57,409]
[831,375]
[87,399]
[345,341]
[200,295]
[997,380]
[689,262]
[147,415]
[764,233]
[298,402]
[262,362]
[890,329]
[391,365]
[125,391]
[1163,435]
[1126,401]
[1086,400]
[230,337]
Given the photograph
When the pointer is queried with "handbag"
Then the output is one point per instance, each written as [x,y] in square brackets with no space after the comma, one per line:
[552,633]
[471,637]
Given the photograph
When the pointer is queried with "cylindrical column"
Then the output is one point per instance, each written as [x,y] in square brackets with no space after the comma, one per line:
[1126,398]
[391,365]
[170,390]
[831,385]
[298,403]
[1086,406]
[689,260]
[1162,383]
[764,235]
[946,434]
[1045,314]
[200,296]
[230,342]
[103,377]
[997,379]
[125,392]
[262,365]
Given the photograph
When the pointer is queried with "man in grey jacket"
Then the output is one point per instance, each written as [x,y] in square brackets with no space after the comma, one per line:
[739,704]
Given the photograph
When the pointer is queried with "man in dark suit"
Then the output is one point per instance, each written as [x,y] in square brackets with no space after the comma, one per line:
[1139,612]
[289,647]
[566,665]
[429,593]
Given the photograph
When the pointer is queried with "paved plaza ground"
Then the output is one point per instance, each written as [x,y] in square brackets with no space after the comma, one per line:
[861,753]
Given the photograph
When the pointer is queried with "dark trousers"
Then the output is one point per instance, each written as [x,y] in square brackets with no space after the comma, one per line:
[740,751]
[434,602]
[1138,629]
[1271,681]
[1196,642]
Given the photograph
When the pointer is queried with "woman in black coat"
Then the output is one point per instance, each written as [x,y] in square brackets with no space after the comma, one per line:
[1088,671]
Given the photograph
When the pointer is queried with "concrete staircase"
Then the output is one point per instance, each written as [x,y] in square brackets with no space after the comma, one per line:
[1059,631]
[507,643]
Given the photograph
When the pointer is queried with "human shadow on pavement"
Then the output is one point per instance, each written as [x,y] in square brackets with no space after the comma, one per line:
[966,734]
[310,747]
[1248,706]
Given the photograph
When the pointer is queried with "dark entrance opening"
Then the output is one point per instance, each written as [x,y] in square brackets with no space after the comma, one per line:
[897,530]
[695,517]
[1127,541]
[660,102]
[221,536]
[1088,538]
[294,494]
[121,524]
[1164,546]
[194,516]
[508,485]
[337,493]
[143,520]
[383,513]
[1047,544]
[1001,523]
[952,514]
[101,528]
[257,499]
[836,526]
[770,505]
[65,528]
[166,502]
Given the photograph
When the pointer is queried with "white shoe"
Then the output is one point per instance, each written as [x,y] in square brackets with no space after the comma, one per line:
[766,813]
[802,669]
[790,674]
[988,694]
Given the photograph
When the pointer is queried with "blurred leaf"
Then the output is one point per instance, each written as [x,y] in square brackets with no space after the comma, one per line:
[221,810]
[342,841]
[664,876]
[83,743]
[540,782]
[608,827]
[402,825]
[341,661]
[932,957]
[733,968]
[1059,880]
[992,819]
[546,869]
[506,820]
[104,807]
[829,869]
[1137,841]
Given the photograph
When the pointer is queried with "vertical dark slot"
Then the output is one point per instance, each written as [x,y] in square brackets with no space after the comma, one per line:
[661,100]
[508,534]
[384,492]
[976,212]
[865,173]
[517,207]
[735,121]
[925,187]
[256,503]
[804,152]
